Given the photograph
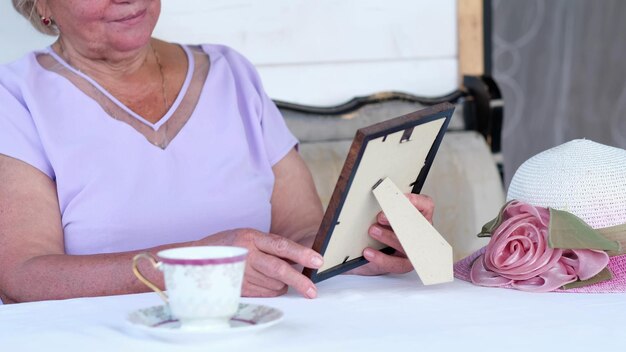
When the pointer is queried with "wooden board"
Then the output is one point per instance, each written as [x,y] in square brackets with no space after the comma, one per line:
[322,52]
[326,52]
[471,40]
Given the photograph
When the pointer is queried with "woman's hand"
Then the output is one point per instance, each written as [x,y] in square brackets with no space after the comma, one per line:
[397,263]
[268,269]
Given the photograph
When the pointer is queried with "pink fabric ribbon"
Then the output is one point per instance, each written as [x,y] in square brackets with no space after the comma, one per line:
[518,255]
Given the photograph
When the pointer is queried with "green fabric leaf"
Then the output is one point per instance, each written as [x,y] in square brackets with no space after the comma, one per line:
[567,231]
[604,275]
[615,233]
[492,225]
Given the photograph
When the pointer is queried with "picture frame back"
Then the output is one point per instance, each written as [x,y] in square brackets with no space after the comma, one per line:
[401,149]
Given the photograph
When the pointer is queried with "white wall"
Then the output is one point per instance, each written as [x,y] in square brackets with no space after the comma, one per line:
[319,52]
[17,36]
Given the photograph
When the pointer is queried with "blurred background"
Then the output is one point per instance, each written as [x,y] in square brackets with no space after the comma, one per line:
[558,63]
[525,76]
[561,67]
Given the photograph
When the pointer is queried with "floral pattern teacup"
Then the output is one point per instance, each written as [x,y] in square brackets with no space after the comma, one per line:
[203,283]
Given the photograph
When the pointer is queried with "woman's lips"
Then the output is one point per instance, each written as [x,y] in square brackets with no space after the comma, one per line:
[132,19]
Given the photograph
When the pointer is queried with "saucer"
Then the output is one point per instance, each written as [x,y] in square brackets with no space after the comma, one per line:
[158,323]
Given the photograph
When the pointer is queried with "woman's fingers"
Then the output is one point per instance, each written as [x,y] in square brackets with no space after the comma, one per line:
[268,266]
[254,277]
[386,236]
[422,202]
[281,247]
[278,269]
[252,290]
[383,263]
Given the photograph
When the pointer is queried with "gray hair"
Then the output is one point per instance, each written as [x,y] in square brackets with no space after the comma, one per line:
[28,9]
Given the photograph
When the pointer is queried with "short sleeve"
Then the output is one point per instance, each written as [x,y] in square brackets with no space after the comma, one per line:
[19,137]
[277,138]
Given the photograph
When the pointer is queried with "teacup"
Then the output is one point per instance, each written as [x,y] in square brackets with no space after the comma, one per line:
[203,283]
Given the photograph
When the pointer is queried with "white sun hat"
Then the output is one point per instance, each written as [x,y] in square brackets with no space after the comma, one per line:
[585,178]
[565,214]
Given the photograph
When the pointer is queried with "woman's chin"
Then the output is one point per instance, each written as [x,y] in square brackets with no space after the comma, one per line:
[129,38]
[126,42]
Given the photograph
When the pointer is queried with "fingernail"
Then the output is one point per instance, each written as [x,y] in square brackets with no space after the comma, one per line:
[311,292]
[369,254]
[383,217]
[317,261]
[376,231]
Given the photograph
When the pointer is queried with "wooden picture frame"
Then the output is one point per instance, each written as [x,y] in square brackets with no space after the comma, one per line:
[401,149]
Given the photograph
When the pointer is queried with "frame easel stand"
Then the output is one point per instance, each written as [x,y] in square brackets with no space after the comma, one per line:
[430,254]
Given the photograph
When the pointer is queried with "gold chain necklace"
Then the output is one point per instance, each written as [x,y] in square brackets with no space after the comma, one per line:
[163,80]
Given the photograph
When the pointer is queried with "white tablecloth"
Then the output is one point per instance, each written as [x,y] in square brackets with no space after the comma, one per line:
[351,313]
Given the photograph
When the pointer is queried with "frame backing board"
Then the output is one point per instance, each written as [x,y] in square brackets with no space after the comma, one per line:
[402,149]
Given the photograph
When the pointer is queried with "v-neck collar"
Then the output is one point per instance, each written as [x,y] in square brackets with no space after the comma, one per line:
[155,126]
[159,134]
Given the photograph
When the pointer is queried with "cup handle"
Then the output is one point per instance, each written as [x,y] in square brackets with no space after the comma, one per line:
[142,278]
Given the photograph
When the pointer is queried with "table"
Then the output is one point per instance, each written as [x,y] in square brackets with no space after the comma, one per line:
[351,314]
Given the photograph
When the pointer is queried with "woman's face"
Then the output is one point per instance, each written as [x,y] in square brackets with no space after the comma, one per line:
[102,26]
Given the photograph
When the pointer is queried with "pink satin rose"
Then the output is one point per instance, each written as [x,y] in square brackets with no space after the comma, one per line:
[518,255]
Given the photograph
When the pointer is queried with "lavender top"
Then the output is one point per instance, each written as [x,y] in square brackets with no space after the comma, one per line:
[122,185]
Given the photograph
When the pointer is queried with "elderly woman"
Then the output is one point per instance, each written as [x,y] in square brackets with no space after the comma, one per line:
[113,143]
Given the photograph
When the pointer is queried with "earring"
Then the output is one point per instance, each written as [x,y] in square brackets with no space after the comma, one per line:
[47,21]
